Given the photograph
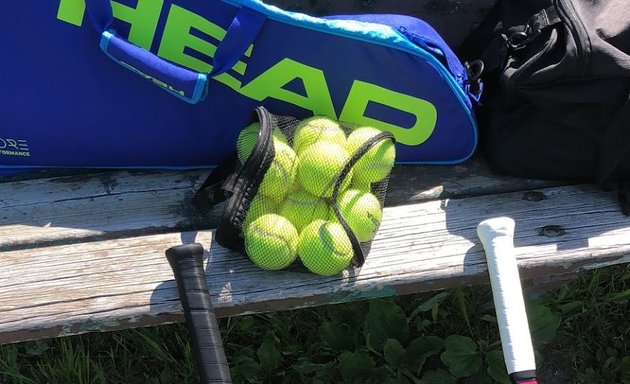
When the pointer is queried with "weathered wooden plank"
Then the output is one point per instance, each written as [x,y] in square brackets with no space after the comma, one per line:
[414,183]
[120,283]
[99,206]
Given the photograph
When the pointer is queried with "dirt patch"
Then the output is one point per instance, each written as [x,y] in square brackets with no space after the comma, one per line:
[555,366]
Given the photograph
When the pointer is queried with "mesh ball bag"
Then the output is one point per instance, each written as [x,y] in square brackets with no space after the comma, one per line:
[306,194]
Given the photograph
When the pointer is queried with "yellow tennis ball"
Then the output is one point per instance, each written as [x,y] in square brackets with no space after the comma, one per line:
[301,208]
[324,248]
[320,166]
[248,137]
[280,176]
[361,185]
[271,242]
[362,211]
[377,162]
[316,129]
[260,205]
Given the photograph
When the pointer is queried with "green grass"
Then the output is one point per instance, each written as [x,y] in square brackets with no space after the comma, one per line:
[581,333]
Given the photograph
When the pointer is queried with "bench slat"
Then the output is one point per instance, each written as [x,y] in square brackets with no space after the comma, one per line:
[79,208]
[122,283]
[82,207]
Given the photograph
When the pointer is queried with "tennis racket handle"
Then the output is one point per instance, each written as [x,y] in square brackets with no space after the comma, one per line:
[187,264]
[497,237]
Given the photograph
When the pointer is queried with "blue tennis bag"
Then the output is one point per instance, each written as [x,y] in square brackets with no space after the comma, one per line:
[212,62]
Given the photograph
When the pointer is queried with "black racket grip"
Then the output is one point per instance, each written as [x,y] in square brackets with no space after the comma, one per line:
[187,264]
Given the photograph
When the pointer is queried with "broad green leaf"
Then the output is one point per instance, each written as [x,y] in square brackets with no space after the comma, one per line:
[245,367]
[434,312]
[355,367]
[380,375]
[325,374]
[543,323]
[245,323]
[568,308]
[483,346]
[304,366]
[422,324]
[590,375]
[311,372]
[461,356]
[394,353]
[385,320]
[37,347]
[420,349]
[609,364]
[624,370]
[496,367]
[247,352]
[336,337]
[166,376]
[429,304]
[352,314]
[359,368]
[268,353]
[481,377]
[438,376]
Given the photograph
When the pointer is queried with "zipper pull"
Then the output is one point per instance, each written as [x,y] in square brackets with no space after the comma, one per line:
[540,21]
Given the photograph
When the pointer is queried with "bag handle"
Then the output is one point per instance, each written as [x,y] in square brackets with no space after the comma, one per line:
[184,83]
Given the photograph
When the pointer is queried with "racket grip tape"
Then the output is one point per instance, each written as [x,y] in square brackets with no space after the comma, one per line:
[187,265]
[497,237]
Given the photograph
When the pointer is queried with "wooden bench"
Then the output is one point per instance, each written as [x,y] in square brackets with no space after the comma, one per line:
[83,252]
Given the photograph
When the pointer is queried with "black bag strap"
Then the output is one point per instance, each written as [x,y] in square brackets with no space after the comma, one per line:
[213,190]
[542,20]
[222,180]
[498,39]
[614,148]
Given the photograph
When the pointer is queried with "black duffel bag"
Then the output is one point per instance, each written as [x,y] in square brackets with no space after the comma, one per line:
[557,90]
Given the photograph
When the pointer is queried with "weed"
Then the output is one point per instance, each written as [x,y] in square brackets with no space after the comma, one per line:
[580,332]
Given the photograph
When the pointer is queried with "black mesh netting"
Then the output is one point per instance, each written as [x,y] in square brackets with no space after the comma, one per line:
[307,192]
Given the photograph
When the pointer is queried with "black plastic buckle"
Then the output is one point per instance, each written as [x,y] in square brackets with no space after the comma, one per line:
[519,40]
[219,183]
[209,195]
[474,69]
[535,25]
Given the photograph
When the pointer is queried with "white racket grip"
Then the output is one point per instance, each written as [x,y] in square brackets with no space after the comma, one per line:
[497,237]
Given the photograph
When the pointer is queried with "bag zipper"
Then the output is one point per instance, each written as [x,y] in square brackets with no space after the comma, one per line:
[433,47]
